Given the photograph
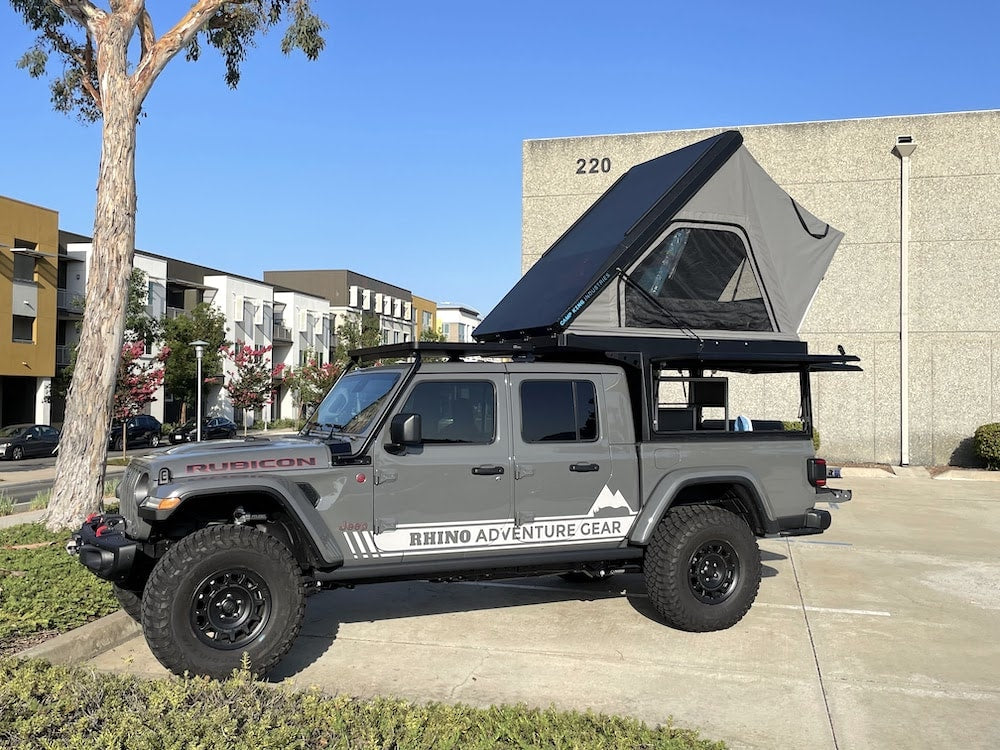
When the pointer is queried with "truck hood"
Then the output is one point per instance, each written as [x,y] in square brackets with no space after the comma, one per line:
[241,456]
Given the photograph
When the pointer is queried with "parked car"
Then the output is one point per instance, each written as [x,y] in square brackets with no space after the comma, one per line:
[141,429]
[213,428]
[23,440]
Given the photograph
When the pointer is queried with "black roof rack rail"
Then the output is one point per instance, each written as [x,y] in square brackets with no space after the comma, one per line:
[750,354]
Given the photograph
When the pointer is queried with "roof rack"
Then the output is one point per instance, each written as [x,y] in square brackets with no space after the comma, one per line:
[743,355]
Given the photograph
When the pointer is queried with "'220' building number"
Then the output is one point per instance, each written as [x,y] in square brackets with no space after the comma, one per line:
[593,165]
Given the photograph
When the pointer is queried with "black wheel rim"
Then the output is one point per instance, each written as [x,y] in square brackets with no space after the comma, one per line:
[230,609]
[714,572]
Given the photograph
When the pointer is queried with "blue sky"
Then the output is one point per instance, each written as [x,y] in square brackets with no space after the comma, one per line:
[398,153]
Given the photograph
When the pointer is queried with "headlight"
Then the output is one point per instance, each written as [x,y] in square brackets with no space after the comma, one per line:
[4,446]
[141,491]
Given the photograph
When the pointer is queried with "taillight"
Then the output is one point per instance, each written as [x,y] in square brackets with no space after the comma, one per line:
[816,471]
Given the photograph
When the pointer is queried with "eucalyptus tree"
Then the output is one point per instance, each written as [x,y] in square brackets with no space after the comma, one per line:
[100,75]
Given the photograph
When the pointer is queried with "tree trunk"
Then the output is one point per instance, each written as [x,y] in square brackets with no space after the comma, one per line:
[79,481]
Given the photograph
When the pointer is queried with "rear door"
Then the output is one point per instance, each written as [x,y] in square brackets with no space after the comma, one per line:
[452,494]
[565,491]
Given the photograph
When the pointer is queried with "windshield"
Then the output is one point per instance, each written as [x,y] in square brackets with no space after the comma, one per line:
[14,431]
[353,403]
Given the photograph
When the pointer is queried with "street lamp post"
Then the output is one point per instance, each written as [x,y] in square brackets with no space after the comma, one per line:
[199,352]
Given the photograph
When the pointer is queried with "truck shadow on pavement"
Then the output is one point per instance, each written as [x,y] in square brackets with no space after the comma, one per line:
[327,612]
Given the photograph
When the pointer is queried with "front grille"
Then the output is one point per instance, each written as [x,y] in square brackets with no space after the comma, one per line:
[135,527]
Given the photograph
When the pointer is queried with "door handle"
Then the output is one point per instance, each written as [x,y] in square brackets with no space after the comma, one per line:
[584,467]
[486,471]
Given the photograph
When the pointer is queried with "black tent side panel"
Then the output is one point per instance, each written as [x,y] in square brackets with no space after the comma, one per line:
[608,235]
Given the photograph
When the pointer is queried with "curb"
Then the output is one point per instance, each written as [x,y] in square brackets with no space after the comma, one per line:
[87,641]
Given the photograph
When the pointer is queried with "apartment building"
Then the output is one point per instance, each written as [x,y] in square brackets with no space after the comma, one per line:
[424,316]
[353,294]
[457,321]
[29,274]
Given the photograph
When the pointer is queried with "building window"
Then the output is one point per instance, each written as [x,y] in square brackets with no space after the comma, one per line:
[425,320]
[558,411]
[24,329]
[24,267]
[446,330]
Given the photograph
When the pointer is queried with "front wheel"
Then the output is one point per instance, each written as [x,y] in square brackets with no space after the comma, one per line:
[702,568]
[219,593]
[17,453]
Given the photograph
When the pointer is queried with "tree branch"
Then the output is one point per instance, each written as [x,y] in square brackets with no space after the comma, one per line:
[84,12]
[146,34]
[168,45]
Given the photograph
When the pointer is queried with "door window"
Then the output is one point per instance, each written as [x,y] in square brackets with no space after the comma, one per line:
[558,411]
[454,411]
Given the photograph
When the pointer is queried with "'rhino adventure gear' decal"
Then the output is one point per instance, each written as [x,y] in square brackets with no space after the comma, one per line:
[609,518]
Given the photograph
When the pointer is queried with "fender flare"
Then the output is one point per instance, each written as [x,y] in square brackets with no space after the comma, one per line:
[663,495]
[286,493]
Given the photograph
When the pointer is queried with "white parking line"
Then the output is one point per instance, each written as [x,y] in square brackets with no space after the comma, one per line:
[827,610]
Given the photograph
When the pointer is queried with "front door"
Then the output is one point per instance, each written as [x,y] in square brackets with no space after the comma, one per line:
[565,491]
[452,494]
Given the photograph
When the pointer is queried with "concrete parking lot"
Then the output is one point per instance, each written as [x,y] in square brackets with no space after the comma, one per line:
[882,633]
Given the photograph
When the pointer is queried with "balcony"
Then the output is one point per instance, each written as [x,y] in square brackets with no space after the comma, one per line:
[281,333]
[63,355]
[67,301]
[174,312]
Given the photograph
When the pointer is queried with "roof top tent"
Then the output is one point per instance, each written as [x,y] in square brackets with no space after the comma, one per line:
[697,244]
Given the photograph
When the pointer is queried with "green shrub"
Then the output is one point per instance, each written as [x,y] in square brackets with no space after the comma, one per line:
[795,425]
[285,423]
[43,587]
[6,504]
[986,442]
[54,706]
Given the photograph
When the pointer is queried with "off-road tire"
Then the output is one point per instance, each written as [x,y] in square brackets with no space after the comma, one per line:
[128,590]
[688,544]
[184,599]
[17,453]
[130,600]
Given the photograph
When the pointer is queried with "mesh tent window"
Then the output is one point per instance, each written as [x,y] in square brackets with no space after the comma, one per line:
[698,278]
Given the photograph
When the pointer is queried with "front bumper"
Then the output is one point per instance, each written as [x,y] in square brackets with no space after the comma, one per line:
[103,548]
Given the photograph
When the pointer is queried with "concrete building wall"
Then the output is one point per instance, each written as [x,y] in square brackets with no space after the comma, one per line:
[846,173]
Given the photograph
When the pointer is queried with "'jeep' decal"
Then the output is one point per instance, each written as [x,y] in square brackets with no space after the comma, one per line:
[264,463]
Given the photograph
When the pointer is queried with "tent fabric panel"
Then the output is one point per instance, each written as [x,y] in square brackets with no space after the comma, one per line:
[791,247]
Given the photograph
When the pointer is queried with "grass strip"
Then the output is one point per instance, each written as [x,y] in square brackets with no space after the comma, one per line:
[65,707]
[44,589]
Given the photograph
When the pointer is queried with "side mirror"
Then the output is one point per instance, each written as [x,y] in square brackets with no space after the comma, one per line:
[405,430]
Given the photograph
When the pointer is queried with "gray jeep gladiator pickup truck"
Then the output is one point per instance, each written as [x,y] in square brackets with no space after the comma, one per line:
[640,400]
[538,462]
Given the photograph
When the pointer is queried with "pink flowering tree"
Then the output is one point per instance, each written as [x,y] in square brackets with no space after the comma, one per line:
[137,383]
[251,385]
[310,382]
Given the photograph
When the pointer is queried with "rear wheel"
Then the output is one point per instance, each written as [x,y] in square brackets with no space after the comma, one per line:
[219,593]
[154,440]
[702,568]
